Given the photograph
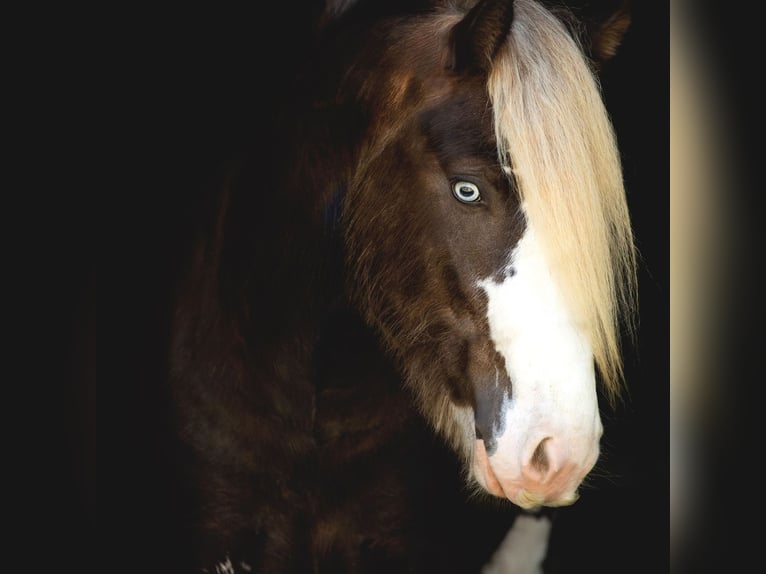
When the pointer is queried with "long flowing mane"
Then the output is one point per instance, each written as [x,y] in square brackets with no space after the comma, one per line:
[543,90]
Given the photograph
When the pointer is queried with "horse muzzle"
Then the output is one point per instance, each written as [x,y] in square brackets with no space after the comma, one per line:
[534,473]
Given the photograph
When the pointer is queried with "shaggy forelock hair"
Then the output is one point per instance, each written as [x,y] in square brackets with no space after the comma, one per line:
[556,140]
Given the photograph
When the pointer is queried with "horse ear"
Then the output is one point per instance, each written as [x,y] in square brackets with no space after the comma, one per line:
[477,37]
[605,32]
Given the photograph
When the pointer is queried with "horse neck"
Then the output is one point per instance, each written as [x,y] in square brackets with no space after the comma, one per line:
[268,273]
[280,271]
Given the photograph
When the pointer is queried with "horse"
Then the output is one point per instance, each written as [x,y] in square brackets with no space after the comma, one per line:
[407,299]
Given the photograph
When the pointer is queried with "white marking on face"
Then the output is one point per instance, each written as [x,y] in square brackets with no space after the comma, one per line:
[550,365]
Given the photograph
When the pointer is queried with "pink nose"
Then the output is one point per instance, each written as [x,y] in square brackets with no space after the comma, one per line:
[547,475]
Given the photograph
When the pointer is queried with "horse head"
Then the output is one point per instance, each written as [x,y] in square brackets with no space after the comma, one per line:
[486,233]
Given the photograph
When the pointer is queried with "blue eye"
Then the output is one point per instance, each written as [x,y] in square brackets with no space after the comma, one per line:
[466,192]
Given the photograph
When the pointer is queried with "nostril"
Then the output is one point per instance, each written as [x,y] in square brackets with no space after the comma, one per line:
[539,460]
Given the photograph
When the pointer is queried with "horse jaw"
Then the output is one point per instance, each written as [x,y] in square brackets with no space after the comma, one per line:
[546,430]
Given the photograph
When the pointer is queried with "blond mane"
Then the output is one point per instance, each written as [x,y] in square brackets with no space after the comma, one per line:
[556,140]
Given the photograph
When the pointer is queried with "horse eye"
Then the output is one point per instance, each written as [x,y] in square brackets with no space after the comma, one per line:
[466,192]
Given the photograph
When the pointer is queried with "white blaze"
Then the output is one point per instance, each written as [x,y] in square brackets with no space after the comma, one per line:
[550,364]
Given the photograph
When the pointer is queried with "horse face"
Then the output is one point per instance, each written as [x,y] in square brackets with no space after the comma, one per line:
[452,264]
[448,271]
